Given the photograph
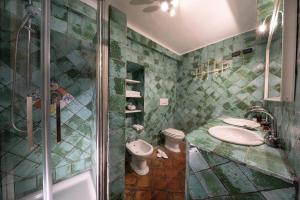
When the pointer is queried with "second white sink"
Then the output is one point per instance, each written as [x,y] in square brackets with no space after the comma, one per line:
[241,122]
[236,135]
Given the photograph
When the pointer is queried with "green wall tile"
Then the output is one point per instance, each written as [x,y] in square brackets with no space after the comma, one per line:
[233,178]
[196,191]
[287,194]
[196,160]
[211,183]
[262,181]
[233,151]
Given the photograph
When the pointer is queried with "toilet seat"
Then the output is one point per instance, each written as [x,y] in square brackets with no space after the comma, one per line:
[174,133]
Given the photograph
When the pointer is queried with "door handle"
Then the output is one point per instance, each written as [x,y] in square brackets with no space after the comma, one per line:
[58,121]
[29,121]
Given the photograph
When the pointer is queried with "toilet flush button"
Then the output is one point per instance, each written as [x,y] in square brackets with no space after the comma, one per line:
[163,101]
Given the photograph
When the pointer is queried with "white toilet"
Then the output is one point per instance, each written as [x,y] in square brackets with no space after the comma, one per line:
[140,151]
[172,139]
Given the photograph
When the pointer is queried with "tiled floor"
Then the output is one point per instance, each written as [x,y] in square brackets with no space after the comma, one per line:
[165,181]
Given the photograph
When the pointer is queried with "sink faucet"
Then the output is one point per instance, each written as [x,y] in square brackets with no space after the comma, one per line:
[271,138]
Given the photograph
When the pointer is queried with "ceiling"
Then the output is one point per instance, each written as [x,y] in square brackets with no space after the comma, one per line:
[196,24]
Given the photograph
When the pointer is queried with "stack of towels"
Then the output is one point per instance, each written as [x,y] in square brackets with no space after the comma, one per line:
[138,127]
[131,107]
[130,93]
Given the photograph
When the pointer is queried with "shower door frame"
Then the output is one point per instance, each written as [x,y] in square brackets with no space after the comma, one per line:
[101,102]
[45,97]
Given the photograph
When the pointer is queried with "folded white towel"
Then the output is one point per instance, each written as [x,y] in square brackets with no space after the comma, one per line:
[131,107]
[138,127]
[130,93]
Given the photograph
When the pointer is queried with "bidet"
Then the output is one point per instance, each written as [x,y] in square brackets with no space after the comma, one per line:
[140,151]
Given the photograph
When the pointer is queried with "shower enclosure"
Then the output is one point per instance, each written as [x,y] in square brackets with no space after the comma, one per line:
[52,137]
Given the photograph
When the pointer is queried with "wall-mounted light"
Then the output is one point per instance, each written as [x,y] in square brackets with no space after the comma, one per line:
[169,6]
[262,28]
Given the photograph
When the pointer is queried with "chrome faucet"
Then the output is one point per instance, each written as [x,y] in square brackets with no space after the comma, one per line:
[131,138]
[271,138]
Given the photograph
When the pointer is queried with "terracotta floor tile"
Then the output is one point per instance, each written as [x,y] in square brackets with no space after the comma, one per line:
[131,179]
[128,195]
[171,173]
[176,185]
[178,196]
[153,156]
[143,195]
[165,180]
[157,163]
[179,164]
[143,182]
[181,174]
[168,163]
[159,183]
[158,172]
[159,195]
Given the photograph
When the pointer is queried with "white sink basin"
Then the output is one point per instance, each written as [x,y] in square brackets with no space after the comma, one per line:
[236,135]
[241,122]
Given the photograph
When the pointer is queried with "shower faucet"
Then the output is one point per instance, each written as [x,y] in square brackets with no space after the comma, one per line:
[271,138]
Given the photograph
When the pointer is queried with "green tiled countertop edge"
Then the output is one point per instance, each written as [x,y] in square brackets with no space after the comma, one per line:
[262,158]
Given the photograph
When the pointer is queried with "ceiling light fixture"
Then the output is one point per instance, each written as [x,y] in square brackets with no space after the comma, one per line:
[164,6]
[169,6]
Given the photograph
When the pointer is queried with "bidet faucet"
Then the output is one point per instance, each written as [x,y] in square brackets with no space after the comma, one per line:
[131,138]
[271,138]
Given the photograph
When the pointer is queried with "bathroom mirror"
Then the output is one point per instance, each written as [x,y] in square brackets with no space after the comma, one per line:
[280,23]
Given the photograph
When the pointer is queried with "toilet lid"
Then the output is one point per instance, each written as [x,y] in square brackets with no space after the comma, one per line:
[174,132]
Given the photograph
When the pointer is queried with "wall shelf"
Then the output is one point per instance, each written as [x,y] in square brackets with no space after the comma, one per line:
[134,94]
[134,97]
[129,81]
[132,111]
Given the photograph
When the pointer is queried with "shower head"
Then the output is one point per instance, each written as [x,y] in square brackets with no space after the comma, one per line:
[32,11]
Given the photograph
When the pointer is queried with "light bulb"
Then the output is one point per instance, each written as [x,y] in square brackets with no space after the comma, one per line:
[175,3]
[164,6]
[262,28]
[172,12]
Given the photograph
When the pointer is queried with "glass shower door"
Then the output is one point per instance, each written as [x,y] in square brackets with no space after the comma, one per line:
[21,144]
[73,96]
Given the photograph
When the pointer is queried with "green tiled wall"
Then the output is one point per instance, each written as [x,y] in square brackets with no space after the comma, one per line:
[214,177]
[160,82]
[73,56]
[160,67]
[117,102]
[230,92]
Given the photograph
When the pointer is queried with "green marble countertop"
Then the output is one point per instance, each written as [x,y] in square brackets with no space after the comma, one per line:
[263,158]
